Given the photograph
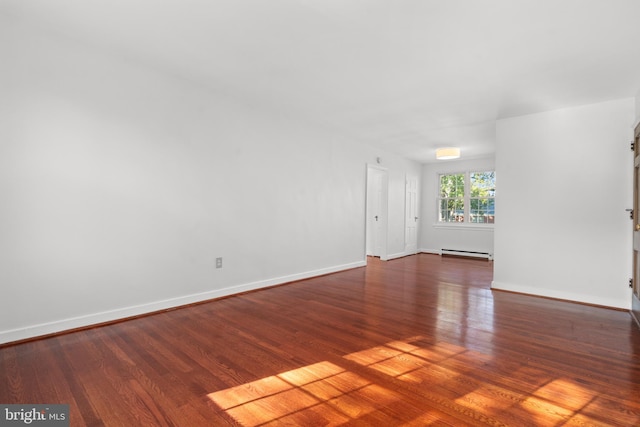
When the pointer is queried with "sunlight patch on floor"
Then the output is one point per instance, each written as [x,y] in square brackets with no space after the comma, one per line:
[456,374]
[565,393]
[463,382]
[322,392]
[562,398]
[402,359]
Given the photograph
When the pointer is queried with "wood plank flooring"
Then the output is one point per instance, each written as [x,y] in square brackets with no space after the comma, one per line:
[415,341]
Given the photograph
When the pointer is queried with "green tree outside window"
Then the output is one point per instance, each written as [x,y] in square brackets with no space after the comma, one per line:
[452,198]
[482,197]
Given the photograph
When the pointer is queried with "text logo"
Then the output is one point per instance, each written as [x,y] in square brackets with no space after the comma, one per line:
[34,415]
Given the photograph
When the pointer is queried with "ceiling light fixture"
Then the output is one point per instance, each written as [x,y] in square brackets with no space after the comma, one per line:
[447,153]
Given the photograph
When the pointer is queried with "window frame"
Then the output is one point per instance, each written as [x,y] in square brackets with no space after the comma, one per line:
[466,202]
[463,198]
[491,200]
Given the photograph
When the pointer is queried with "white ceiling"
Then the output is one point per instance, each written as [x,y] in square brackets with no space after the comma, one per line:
[404,75]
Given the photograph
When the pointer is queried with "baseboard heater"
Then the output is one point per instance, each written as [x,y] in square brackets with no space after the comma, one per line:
[458,252]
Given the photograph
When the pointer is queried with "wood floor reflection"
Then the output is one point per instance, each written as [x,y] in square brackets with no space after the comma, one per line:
[419,341]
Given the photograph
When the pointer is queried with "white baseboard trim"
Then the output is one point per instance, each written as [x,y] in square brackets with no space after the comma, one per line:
[431,251]
[568,296]
[398,255]
[57,326]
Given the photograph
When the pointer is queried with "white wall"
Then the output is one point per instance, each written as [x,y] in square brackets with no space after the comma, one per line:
[565,180]
[121,185]
[435,236]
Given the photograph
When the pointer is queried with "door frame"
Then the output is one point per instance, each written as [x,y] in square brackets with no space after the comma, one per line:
[384,209]
[635,294]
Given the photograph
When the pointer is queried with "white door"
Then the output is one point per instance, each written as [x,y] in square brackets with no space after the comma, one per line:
[411,216]
[635,296]
[376,217]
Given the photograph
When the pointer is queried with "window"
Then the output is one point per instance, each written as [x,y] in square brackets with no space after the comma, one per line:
[467,197]
[452,198]
[482,202]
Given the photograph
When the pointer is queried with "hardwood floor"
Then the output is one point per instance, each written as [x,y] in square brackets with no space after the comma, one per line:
[417,341]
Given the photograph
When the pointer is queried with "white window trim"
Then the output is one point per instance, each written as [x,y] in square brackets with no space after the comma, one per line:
[467,205]
[464,226]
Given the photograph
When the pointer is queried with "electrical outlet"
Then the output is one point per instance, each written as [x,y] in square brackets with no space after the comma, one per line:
[219,262]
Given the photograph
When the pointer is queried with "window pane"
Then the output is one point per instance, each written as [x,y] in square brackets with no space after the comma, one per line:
[482,211]
[451,210]
[483,184]
[452,186]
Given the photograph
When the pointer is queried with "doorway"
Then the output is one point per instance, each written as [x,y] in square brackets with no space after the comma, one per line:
[376,211]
